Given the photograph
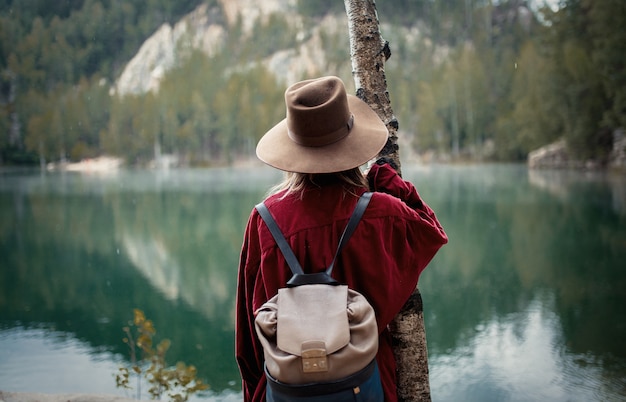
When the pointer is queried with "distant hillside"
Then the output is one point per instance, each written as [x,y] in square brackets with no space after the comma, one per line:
[210,29]
[201,81]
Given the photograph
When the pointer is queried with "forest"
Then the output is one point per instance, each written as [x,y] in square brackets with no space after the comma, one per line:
[483,80]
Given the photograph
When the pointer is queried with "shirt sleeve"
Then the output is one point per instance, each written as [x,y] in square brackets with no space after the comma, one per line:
[248,350]
[384,178]
[409,243]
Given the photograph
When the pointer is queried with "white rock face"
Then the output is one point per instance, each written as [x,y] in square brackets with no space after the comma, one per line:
[206,29]
[252,11]
[165,47]
[309,59]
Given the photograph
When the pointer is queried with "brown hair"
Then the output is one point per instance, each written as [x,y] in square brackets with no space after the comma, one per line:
[297,183]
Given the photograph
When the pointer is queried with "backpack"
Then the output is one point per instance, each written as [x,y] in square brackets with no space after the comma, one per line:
[319,337]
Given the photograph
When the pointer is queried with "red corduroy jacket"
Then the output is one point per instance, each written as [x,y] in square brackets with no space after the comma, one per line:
[395,240]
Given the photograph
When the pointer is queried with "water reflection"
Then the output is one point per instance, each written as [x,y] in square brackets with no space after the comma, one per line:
[525,303]
[36,353]
[518,357]
[81,252]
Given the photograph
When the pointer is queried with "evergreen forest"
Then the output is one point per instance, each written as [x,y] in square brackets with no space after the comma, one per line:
[469,79]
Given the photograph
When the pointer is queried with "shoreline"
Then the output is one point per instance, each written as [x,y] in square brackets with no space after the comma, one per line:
[40,397]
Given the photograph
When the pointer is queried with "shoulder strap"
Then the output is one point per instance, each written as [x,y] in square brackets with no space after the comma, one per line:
[290,257]
[292,261]
[352,224]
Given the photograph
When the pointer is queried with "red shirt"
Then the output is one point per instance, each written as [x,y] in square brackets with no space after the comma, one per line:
[395,240]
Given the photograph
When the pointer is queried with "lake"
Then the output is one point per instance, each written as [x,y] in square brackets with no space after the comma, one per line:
[527,302]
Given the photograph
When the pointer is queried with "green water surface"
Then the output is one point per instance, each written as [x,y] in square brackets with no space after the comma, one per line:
[526,302]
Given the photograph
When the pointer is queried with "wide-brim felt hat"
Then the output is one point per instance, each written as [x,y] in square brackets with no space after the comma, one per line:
[325,130]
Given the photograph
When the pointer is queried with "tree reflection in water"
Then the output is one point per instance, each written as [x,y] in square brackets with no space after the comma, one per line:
[525,303]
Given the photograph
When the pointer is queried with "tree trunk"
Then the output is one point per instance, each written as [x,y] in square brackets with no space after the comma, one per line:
[369,52]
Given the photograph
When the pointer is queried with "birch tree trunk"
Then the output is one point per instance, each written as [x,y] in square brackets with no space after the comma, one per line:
[369,52]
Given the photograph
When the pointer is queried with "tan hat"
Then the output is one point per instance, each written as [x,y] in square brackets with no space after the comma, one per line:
[325,131]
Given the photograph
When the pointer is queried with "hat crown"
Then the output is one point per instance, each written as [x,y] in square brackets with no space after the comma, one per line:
[318,113]
[325,130]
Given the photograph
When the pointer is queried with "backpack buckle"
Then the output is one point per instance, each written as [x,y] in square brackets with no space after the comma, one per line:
[314,358]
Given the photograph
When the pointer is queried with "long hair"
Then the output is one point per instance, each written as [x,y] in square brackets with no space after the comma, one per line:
[297,183]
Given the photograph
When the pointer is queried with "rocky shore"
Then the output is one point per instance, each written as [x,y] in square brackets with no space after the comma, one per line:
[557,156]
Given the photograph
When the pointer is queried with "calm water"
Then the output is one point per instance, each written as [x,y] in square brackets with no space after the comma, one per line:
[526,303]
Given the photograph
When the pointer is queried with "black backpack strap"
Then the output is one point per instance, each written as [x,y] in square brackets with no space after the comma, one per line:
[292,261]
[290,257]
[359,210]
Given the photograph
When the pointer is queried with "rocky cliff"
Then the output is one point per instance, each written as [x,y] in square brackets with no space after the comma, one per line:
[206,28]
[557,156]
[201,29]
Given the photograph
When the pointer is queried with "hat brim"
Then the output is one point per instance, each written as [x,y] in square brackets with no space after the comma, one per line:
[366,139]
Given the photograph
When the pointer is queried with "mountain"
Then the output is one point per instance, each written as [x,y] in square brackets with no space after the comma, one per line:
[207,28]
[202,79]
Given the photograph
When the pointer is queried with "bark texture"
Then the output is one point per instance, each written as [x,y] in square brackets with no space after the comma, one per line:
[369,52]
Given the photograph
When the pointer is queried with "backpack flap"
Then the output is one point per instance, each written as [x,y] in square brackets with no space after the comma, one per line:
[312,323]
[314,339]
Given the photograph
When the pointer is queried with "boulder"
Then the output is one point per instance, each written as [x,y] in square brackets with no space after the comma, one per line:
[557,156]
[553,155]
